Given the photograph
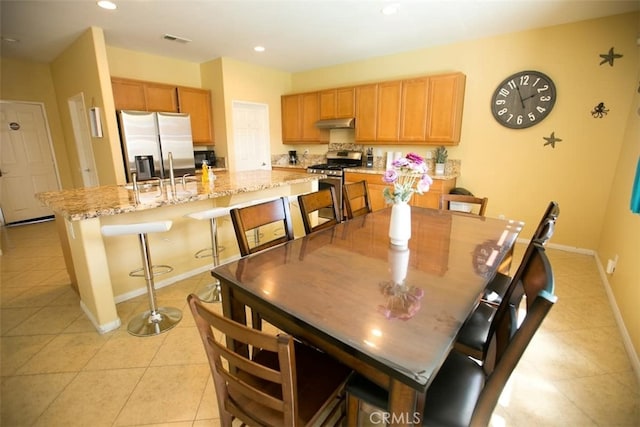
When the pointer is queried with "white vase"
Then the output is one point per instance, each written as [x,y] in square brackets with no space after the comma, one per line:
[440,168]
[400,224]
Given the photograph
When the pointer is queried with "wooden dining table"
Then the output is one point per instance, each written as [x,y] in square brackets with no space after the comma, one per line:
[390,313]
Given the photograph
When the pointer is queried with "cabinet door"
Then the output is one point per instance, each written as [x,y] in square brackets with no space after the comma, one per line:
[388,114]
[375,184]
[310,103]
[197,103]
[431,199]
[345,102]
[413,122]
[290,118]
[328,104]
[366,112]
[161,97]
[444,108]
[128,95]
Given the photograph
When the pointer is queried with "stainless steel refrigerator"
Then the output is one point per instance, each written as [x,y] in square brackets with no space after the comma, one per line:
[147,139]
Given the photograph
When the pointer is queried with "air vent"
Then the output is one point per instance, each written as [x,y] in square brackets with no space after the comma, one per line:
[173,38]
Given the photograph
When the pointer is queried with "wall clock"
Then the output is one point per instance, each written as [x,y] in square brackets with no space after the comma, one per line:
[523,99]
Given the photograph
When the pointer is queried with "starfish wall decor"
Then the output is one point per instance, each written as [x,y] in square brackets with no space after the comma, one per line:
[551,140]
[609,57]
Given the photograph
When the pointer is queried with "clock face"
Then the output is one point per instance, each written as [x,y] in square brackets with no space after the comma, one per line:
[523,99]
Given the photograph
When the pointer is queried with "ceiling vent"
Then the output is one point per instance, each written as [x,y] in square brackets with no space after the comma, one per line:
[173,38]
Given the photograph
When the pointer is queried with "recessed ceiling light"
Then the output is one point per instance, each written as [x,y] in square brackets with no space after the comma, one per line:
[259,48]
[106,4]
[390,9]
[178,39]
[9,39]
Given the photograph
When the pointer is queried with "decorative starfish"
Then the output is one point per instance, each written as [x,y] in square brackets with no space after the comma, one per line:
[551,140]
[609,57]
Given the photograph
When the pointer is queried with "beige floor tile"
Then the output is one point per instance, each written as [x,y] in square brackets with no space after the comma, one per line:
[53,319]
[92,399]
[16,351]
[12,317]
[124,350]
[605,400]
[176,390]
[24,398]
[65,353]
[208,409]
[182,346]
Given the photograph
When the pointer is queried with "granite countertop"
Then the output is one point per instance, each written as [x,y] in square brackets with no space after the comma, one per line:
[85,203]
[381,171]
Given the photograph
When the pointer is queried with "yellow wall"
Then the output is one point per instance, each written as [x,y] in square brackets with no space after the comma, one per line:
[249,83]
[621,228]
[76,71]
[32,82]
[143,66]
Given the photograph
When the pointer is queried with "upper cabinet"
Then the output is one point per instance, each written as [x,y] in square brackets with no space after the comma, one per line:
[197,102]
[300,112]
[444,108]
[149,96]
[425,110]
[337,103]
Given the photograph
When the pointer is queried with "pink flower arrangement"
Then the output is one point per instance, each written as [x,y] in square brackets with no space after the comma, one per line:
[408,175]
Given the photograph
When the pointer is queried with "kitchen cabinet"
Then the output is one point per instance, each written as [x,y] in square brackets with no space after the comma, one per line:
[337,103]
[160,97]
[430,199]
[139,95]
[197,103]
[128,94]
[444,108]
[300,112]
[378,112]
[425,110]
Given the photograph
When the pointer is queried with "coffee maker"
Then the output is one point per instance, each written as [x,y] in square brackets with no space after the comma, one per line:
[293,157]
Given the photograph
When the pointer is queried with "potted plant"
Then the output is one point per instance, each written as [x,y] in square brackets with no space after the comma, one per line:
[441,156]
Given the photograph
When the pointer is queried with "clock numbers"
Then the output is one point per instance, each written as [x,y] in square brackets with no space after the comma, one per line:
[523,99]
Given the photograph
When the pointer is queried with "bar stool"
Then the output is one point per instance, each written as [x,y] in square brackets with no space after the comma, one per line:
[157,319]
[211,293]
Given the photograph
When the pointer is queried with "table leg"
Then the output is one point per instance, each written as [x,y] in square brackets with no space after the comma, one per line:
[402,405]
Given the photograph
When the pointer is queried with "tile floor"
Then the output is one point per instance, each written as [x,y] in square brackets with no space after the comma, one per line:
[57,371]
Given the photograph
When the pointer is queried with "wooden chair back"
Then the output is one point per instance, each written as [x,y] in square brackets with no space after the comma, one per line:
[356,199]
[263,389]
[479,202]
[249,218]
[516,329]
[312,203]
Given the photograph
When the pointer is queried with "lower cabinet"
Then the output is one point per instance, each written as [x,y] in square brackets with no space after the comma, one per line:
[376,186]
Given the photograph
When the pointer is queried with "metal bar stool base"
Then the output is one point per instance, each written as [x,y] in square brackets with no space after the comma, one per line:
[210,293]
[154,323]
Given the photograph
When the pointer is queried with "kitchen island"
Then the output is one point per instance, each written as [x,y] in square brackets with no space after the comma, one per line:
[99,267]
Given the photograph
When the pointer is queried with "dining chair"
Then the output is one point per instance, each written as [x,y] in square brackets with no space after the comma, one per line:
[498,286]
[248,219]
[283,383]
[463,393]
[315,206]
[475,336]
[475,202]
[356,199]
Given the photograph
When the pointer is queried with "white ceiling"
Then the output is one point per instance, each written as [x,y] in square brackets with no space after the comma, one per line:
[298,34]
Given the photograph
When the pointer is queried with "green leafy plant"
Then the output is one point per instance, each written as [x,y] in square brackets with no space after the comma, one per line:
[441,154]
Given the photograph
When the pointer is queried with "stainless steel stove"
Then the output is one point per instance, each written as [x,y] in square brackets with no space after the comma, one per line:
[337,161]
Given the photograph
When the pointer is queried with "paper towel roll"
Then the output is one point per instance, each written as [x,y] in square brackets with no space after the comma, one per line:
[389,159]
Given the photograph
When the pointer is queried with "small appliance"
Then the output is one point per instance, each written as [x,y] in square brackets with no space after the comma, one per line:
[208,155]
[293,157]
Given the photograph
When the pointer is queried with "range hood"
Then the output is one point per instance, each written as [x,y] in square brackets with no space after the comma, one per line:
[348,123]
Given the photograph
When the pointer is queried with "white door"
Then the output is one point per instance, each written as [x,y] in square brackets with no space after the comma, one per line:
[251,136]
[82,137]
[27,165]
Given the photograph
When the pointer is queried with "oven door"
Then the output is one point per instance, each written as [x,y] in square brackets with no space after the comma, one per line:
[336,183]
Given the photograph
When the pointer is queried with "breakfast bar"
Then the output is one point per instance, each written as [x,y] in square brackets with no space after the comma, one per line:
[99,267]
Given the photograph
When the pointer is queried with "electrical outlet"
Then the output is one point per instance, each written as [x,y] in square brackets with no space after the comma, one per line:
[612,264]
